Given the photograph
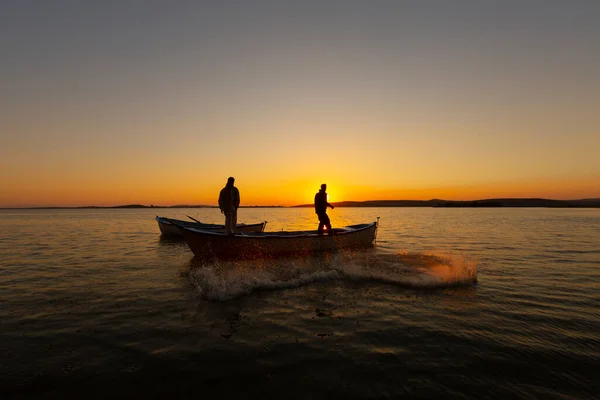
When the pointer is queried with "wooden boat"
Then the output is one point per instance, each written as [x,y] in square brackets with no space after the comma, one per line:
[249,245]
[168,226]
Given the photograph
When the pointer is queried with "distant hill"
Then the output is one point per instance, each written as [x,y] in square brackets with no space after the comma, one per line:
[189,206]
[510,202]
[126,206]
[131,206]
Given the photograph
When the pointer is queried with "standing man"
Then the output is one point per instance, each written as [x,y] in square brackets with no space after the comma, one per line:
[229,201]
[321,205]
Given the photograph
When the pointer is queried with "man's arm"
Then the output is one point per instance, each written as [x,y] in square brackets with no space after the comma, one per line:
[221,201]
[329,205]
[237,198]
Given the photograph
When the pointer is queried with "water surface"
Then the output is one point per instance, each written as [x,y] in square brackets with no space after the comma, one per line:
[486,303]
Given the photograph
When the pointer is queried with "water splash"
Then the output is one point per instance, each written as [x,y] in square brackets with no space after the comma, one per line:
[223,280]
[420,270]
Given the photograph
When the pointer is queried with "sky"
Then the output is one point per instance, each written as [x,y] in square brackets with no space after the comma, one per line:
[159,102]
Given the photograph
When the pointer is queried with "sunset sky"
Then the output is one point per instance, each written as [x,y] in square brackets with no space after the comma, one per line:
[158,102]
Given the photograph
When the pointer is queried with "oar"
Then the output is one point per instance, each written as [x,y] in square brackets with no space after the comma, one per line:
[193,219]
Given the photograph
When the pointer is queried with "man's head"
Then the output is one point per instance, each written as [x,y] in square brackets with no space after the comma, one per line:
[230,181]
[324,187]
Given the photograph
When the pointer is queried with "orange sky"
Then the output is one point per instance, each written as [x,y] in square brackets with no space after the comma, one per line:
[160,104]
[291,193]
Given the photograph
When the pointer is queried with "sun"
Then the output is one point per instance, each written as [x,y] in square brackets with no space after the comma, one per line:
[309,189]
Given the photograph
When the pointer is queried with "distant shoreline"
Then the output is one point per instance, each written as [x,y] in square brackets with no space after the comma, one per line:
[124,206]
[502,202]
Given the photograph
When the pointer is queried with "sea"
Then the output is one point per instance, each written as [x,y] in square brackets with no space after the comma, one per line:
[461,303]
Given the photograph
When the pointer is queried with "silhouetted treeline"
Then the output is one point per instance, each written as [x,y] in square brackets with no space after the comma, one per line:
[511,202]
[127,206]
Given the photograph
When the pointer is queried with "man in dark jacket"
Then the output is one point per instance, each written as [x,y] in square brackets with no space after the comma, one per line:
[321,205]
[229,201]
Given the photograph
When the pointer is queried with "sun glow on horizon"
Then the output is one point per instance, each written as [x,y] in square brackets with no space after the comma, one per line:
[281,194]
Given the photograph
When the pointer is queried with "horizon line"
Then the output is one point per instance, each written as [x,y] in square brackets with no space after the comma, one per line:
[138,205]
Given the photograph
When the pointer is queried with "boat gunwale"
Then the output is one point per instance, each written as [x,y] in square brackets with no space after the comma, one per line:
[275,235]
[170,221]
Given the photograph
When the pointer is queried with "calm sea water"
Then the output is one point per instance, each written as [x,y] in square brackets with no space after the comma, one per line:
[450,303]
